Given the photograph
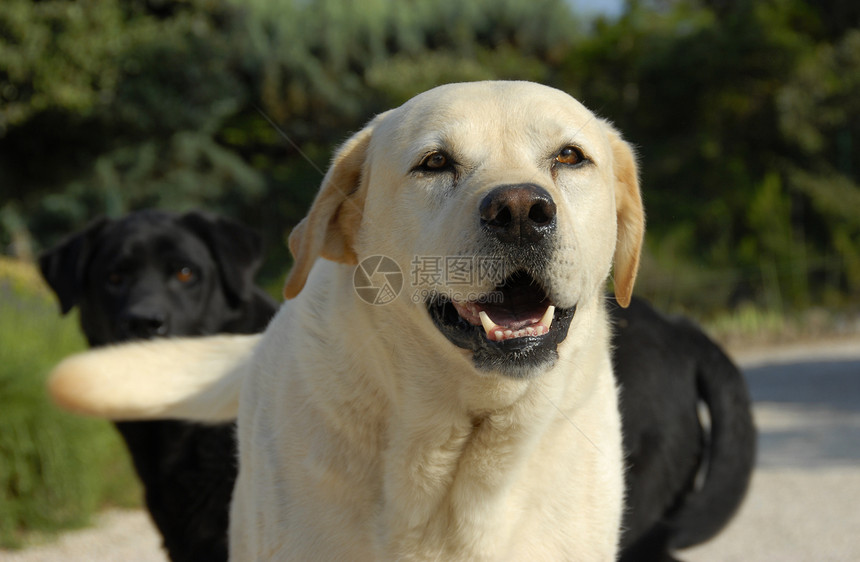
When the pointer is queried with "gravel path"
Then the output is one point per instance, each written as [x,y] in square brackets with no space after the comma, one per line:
[802,505]
[118,536]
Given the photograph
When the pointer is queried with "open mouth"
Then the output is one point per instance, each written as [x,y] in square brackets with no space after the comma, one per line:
[514,326]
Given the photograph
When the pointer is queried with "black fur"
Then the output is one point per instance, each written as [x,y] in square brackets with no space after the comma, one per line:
[684,482]
[150,274]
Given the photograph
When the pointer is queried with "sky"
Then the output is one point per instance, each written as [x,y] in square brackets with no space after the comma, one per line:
[610,8]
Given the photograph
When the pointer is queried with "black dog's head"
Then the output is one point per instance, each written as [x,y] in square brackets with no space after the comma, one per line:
[154,273]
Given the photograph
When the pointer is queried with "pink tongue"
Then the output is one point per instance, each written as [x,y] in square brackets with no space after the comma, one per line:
[503,317]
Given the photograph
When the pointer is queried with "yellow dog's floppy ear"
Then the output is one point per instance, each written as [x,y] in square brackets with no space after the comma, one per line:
[330,226]
[630,216]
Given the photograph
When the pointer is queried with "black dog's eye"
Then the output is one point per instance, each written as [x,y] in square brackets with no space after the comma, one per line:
[570,156]
[185,275]
[435,162]
[115,278]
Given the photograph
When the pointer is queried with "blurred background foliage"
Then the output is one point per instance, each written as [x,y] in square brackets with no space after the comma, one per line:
[56,469]
[745,114]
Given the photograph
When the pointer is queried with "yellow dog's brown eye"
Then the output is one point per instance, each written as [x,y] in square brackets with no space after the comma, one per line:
[570,155]
[185,275]
[435,161]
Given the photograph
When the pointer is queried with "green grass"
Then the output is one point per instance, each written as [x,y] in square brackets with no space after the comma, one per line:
[56,469]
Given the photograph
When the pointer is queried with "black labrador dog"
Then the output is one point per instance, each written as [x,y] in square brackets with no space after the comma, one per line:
[687,472]
[154,273]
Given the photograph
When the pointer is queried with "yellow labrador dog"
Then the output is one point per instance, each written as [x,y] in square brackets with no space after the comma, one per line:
[473,417]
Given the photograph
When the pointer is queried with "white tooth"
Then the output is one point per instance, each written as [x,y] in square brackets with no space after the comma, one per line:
[487,323]
[499,335]
[509,333]
[547,316]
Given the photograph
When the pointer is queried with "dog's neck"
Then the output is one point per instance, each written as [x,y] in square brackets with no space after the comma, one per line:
[443,485]
[443,446]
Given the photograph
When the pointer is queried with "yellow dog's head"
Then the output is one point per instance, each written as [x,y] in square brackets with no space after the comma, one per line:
[504,201]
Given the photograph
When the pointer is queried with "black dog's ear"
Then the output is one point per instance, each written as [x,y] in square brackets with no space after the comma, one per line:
[64,266]
[238,250]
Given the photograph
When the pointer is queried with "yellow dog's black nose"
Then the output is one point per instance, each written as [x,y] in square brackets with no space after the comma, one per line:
[522,213]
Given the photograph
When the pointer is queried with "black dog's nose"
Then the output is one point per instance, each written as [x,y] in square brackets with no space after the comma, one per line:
[518,213]
[145,325]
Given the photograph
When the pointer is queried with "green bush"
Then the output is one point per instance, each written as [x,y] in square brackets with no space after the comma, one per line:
[56,469]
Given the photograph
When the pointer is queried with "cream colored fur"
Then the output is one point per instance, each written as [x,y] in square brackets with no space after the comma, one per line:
[364,434]
[95,383]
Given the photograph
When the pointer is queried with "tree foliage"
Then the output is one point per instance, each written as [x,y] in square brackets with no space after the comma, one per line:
[745,115]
